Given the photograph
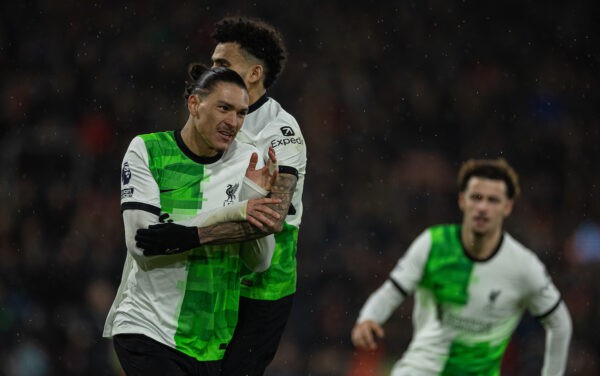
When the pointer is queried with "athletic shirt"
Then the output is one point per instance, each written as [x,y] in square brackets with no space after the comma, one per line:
[466,310]
[268,124]
[187,301]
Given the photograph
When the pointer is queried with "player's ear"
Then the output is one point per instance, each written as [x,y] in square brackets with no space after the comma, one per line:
[509,207]
[461,201]
[193,102]
[256,73]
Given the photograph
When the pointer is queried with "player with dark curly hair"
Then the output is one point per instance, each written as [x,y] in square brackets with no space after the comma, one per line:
[257,52]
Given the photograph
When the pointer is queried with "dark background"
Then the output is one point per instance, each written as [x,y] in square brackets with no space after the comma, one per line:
[391,97]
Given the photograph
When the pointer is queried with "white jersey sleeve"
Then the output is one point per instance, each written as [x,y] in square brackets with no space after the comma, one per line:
[543,297]
[544,302]
[139,190]
[558,328]
[409,269]
[269,125]
[402,282]
[287,141]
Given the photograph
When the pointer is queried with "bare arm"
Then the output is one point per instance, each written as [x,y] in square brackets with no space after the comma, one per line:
[257,224]
[263,216]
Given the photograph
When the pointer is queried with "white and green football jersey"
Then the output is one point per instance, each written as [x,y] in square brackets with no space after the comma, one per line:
[465,310]
[268,124]
[187,301]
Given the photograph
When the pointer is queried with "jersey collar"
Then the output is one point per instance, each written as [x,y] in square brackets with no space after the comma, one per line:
[256,105]
[494,253]
[191,155]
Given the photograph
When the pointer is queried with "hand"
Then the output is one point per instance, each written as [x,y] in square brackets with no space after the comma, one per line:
[364,335]
[259,214]
[265,177]
[166,239]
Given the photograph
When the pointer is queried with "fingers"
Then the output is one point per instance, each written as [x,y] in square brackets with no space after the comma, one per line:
[272,180]
[147,239]
[272,155]
[253,162]
[261,205]
[256,223]
[263,218]
[378,330]
[156,226]
[272,162]
[265,211]
[265,201]
[365,334]
[261,215]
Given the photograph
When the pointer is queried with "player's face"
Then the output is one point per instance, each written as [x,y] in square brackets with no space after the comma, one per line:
[218,117]
[484,204]
[230,55]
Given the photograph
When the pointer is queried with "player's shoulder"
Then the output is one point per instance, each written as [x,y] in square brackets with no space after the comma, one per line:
[156,136]
[518,252]
[443,231]
[276,117]
[239,149]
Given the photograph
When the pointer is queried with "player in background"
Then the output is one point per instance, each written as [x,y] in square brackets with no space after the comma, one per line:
[256,51]
[472,283]
[175,311]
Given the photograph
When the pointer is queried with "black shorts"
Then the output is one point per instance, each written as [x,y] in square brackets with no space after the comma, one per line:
[256,337]
[141,355]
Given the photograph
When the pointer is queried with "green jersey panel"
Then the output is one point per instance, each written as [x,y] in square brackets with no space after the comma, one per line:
[465,310]
[270,125]
[280,279]
[448,270]
[187,301]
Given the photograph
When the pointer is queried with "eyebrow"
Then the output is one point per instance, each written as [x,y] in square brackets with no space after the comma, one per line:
[222,102]
[221,60]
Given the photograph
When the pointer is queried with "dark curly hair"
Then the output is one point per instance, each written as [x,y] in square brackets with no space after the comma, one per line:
[495,169]
[259,39]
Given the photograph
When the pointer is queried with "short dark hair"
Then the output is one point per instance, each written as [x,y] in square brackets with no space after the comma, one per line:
[495,169]
[203,79]
[258,38]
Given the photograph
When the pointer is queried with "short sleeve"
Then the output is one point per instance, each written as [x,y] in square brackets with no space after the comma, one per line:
[543,297]
[287,141]
[409,270]
[139,189]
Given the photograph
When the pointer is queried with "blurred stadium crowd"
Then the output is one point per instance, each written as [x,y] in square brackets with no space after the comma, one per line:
[391,96]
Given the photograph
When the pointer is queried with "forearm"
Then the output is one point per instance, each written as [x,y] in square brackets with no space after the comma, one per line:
[229,232]
[381,304]
[232,232]
[558,335]
[233,212]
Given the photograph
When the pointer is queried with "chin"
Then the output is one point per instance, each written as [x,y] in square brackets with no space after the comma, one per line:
[479,231]
[221,147]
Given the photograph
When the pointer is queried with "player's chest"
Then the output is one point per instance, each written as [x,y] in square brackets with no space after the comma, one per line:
[494,293]
[204,188]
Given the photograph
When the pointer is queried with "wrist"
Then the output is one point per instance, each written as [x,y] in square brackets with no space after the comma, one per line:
[252,190]
[192,237]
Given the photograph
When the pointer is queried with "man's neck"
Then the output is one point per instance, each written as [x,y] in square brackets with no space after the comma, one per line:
[479,246]
[255,93]
[194,143]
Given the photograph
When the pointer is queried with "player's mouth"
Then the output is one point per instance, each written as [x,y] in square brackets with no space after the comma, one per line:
[226,135]
[480,221]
